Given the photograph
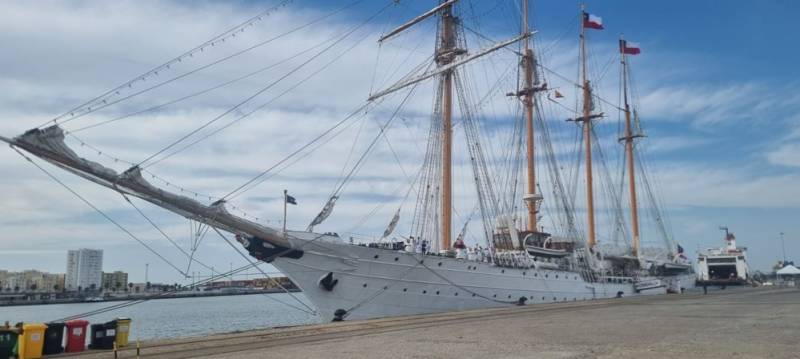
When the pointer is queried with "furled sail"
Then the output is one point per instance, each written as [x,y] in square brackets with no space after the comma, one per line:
[392,224]
[48,144]
[324,214]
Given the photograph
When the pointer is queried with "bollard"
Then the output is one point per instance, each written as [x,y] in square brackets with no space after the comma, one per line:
[115,350]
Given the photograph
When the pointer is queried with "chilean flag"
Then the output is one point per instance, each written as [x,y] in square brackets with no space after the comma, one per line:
[630,48]
[592,22]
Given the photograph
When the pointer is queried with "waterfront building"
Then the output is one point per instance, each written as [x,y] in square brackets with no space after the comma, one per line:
[116,279]
[84,269]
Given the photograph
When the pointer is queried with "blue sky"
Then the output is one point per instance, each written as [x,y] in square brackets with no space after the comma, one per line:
[716,85]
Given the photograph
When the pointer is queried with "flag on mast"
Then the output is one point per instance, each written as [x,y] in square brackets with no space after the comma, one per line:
[592,21]
[291,200]
[629,48]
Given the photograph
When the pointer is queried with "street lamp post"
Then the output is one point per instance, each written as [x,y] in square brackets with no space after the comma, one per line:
[783,247]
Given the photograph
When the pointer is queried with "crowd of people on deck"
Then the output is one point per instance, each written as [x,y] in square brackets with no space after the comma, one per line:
[462,251]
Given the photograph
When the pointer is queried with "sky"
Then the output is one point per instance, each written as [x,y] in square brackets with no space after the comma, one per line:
[715,87]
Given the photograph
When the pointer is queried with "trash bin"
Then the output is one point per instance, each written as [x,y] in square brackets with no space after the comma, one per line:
[103,336]
[76,335]
[54,339]
[31,341]
[8,341]
[123,326]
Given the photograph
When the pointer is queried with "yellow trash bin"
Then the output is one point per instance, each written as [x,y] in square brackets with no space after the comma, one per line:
[123,329]
[31,341]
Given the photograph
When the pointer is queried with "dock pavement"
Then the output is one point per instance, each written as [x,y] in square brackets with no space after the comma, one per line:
[731,323]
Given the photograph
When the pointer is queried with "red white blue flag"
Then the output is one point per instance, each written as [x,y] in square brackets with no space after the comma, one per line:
[630,48]
[592,22]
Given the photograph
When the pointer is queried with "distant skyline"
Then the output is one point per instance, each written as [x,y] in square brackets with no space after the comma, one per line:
[716,84]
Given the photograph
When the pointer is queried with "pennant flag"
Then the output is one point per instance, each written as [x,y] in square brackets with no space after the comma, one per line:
[291,200]
[630,48]
[592,22]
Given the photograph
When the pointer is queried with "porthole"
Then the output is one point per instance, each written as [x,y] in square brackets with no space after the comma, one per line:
[509,297]
[556,276]
[365,285]
[473,294]
[494,296]
[396,259]
[555,299]
[405,289]
[502,271]
[440,264]
[543,298]
[424,292]
[456,294]
[385,287]
[376,256]
[535,274]
[546,275]
[437,292]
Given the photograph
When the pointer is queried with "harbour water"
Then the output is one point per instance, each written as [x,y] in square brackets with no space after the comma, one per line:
[184,317]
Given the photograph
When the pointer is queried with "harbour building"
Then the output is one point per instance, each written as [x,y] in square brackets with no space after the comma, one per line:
[115,281]
[84,269]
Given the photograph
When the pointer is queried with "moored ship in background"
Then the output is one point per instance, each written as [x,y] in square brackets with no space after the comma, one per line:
[725,265]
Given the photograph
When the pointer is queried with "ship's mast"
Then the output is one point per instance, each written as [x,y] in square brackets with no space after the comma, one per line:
[528,63]
[628,138]
[587,135]
[446,55]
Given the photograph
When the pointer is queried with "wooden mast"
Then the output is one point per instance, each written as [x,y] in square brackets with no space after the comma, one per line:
[628,138]
[587,135]
[446,55]
[528,64]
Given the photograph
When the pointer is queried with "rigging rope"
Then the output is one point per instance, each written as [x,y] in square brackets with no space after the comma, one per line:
[259,92]
[98,210]
[103,98]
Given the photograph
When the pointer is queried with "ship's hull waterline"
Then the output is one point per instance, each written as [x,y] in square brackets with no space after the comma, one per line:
[374,282]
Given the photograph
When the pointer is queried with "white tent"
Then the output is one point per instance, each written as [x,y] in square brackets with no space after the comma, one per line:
[789,270]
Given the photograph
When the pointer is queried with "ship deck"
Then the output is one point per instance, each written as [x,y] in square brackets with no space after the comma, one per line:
[741,322]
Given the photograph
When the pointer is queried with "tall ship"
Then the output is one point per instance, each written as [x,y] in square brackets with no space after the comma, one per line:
[537,231]
[726,265]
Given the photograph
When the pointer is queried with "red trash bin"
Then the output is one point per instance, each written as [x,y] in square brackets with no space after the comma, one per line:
[76,335]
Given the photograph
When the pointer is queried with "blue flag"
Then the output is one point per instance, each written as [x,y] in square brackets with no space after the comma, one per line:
[291,200]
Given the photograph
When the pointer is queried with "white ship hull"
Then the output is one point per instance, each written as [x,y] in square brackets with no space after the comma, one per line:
[374,282]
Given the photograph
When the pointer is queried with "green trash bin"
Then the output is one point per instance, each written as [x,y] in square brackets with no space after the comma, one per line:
[8,342]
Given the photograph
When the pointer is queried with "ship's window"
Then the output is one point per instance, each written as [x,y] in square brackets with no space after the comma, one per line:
[502,271]
[494,296]
[473,294]
[437,292]
[555,299]
[424,291]
[546,275]
[385,287]
[523,273]
[365,285]
[396,259]
[440,264]
[509,297]
[543,298]
[376,256]
[456,294]
[535,274]
[556,276]
[405,289]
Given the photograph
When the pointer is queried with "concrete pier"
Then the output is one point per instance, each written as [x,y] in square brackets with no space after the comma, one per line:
[740,323]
